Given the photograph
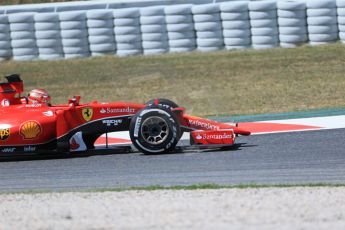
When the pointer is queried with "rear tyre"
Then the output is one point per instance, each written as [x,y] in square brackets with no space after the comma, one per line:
[154,130]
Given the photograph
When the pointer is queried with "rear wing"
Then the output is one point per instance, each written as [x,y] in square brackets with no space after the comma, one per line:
[12,89]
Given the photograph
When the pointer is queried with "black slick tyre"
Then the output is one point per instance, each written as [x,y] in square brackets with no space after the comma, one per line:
[166,103]
[154,130]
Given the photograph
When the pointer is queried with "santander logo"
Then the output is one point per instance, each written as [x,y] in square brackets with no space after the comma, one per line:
[74,145]
[117,110]
[199,137]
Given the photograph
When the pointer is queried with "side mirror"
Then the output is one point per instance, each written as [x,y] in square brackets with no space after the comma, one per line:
[75,100]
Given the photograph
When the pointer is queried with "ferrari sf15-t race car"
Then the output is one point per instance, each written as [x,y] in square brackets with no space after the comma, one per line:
[154,127]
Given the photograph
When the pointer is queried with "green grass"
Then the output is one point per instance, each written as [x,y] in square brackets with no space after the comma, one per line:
[220,83]
[16,2]
[188,187]
[216,186]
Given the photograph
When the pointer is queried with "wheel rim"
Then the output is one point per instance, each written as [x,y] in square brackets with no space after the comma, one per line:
[155,130]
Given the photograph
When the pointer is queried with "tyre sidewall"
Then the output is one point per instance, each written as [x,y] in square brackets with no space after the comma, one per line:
[136,126]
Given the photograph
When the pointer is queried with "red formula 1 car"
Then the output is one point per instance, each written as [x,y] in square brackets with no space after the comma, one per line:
[154,128]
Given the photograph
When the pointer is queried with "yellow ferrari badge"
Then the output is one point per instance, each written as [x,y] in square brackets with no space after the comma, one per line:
[87,113]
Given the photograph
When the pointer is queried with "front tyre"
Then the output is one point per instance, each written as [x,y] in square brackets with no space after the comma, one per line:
[154,130]
[166,103]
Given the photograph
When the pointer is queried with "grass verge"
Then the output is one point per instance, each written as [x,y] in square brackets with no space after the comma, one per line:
[187,187]
[219,83]
[216,186]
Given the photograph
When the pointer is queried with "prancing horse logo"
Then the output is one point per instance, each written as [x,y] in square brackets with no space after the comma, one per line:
[87,113]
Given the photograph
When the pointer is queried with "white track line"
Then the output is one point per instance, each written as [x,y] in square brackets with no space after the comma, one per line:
[331,122]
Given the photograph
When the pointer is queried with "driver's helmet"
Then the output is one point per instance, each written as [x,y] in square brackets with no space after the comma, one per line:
[39,96]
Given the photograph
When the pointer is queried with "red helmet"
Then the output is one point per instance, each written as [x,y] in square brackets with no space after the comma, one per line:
[39,96]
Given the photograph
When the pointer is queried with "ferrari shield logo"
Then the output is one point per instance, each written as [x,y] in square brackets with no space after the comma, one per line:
[87,113]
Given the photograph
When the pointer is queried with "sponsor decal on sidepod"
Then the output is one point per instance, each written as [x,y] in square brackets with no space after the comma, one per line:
[77,143]
[8,150]
[4,131]
[36,105]
[4,134]
[87,113]
[112,122]
[48,113]
[114,110]
[30,130]
[29,148]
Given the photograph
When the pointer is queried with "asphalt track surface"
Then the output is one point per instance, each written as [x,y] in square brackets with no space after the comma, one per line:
[285,158]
